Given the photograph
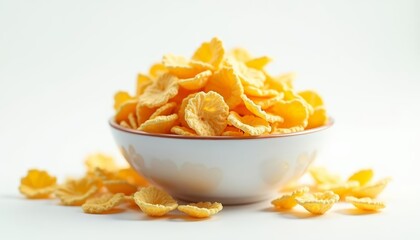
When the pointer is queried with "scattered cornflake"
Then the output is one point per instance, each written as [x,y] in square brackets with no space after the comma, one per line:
[201,209]
[103,204]
[322,175]
[288,201]
[37,184]
[318,203]
[371,190]
[154,202]
[76,192]
[120,186]
[342,189]
[366,203]
[101,161]
[362,176]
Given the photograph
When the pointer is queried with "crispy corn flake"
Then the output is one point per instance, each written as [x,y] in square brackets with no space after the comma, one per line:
[164,110]
[120,186]
[181,111]
[342,189]
[232,74]
[240,54]
[294,112]
[201,65]
[124,110]
[371,190]
[321,175]
[120,98]
[154,202]
[206,113]
[258,111]
[201,209]
[318,118]
[159,124]
[196,82]
[143,113]
[281,83]
[131,176]
[181,67]
[249,124]
[37,184]
[362,176]
[102,174]
[103,204]
[160,91]
[184,131]
[252,91]
[101,161]
[279,130]
[258,63]
[132,119]
[266,102]
[157,69]
[143,81]
[182,94]
[242,110]
[210,52]
[124,124]
[312,97]
[249,76]
[130,200]
[76,192]
[366,204]
[226,83]
[287,201]
[231,131]
[318,203]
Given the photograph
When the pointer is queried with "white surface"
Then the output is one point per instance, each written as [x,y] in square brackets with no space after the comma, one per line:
[61,62]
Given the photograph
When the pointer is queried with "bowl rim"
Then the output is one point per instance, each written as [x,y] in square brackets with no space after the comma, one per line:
[114,125]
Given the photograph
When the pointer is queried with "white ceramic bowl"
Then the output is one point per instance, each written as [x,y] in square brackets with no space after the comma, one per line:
[224,169]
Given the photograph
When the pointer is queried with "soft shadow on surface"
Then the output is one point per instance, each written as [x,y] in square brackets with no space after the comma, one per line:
[14,197]
[355,212]
[112,211]
[137,215]
[186,218]
[290,214]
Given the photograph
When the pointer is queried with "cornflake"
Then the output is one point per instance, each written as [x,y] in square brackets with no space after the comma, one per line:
[318,203]
[103,204]
[242,81]
[37,184]
[76,192]
[288,201]
[206,113]
[201,209]
[366,203]
[154,202]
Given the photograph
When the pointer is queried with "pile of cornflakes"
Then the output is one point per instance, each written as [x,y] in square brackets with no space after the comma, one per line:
[329,188]
[107,188]
[217,93]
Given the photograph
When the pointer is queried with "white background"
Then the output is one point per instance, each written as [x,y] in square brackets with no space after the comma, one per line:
[62,61]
